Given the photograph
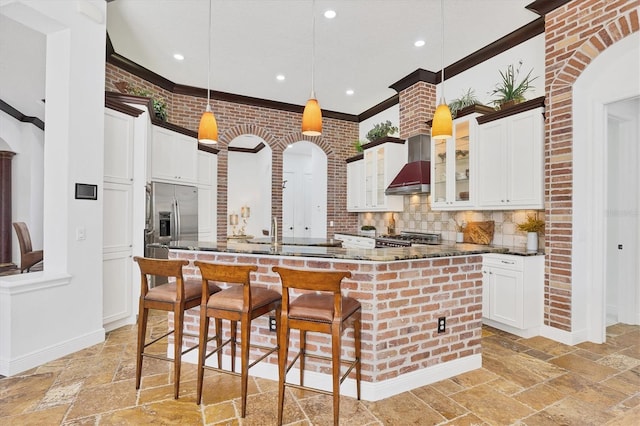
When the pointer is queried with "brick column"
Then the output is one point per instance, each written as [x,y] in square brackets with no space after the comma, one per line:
[417,105]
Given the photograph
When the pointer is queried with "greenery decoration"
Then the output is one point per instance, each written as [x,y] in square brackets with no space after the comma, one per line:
[467,99]
[511,88]
[533,224]
[368,228]
[381,130]
[159,104]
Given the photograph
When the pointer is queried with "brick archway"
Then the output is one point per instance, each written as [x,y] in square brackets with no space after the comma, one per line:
[575,35]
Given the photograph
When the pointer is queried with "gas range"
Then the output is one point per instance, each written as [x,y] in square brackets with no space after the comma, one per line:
[408,239]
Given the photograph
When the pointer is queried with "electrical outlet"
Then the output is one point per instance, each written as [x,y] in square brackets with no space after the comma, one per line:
[442,324]
[272,323]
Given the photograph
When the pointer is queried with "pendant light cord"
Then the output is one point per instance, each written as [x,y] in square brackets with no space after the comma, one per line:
[209,59]
[313,47]
[442,50]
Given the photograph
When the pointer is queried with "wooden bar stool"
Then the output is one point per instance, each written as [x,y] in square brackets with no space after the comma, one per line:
[176,297]
[241,303]
[322,310]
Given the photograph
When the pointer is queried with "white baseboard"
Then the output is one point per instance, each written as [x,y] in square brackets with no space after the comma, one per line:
[567,337]
[13,366]
[525,333]
[369,391]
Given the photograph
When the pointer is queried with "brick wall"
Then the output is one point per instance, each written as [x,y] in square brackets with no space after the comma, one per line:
[277,128]
[401,302]
[575,34]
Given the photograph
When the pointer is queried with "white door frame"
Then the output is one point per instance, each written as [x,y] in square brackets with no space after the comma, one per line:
[611,77]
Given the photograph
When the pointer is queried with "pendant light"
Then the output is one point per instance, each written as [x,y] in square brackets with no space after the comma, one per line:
[442,124]
[208,128]
[312,115]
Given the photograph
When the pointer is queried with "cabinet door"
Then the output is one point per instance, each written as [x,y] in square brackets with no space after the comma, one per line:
[174,157]
[491,165]
[439,172]
[369,178]
[118,147]
[459,174]
[207,195]
[524,162]
[355,185]
[116,288]
[505,298]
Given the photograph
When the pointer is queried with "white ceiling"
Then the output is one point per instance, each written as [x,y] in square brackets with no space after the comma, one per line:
[366,48]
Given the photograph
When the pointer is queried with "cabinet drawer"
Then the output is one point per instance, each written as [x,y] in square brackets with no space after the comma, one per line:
[504,261]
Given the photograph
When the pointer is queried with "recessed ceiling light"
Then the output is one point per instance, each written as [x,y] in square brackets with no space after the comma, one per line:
[349,92]
[330,14]
[178,57]
[419,43]
[280,77]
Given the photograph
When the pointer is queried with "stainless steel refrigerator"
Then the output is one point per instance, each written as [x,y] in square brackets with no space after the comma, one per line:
[172,215]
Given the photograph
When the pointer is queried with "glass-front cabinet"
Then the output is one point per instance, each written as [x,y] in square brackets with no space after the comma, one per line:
[453,163]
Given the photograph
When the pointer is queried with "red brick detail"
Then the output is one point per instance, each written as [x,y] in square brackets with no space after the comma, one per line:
[399,315]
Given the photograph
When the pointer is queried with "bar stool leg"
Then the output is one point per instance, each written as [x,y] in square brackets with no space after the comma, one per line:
[357,334]
[283,341]
[142,335]
[218,323]
[335,353]
[202,351]
[245,335]
[303,348]
[178,318]
[234,332]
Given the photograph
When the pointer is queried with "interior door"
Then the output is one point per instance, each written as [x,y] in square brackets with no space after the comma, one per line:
[288,204]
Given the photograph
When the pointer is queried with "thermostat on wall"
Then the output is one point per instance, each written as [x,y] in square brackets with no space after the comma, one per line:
[85,191]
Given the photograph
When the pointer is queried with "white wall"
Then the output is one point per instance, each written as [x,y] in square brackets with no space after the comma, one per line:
[45,315]
[392,114]
[483,77]
[27,176]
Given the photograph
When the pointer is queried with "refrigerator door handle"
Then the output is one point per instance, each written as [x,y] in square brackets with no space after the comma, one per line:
[178,230]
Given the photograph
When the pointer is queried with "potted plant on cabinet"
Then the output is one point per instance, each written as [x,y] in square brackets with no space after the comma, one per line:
[467,99]
[509,90]
[533,226]
[159,104]
[381,130]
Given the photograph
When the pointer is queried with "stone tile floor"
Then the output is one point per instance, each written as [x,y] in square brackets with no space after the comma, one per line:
[532,381]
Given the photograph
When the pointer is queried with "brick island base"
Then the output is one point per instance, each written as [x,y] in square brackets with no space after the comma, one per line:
[401,303]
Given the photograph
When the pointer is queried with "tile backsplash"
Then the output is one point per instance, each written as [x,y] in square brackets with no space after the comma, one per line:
[418,217]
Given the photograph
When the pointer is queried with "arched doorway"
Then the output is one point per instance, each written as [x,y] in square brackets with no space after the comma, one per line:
[611,78]
[304,191]
[249,172]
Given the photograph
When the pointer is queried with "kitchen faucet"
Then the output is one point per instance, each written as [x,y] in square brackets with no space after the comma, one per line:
[274,229]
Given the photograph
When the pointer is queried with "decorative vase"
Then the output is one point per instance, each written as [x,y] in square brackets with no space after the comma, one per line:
[532,241]
[459,237]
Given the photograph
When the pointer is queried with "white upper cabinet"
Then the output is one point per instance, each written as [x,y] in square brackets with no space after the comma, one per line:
[453,163]
[382,162]
[174,157]
[355,185]
[118,151]
[207,195]
[510,162]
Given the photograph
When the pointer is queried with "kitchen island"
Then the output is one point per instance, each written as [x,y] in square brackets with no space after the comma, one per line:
[403,291]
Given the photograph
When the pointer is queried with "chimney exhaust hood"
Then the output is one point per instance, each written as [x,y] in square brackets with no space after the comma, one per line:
[415,176]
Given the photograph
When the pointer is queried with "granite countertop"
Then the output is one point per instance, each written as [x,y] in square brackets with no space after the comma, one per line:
[323,251]
[314,242]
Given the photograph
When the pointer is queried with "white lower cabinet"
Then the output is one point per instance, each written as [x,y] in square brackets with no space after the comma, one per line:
[513,292]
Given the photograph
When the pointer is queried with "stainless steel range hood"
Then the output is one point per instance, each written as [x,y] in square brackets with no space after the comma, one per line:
[415,176]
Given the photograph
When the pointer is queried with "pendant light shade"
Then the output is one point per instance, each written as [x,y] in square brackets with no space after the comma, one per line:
[312,115]
[312,118]
[208,128]
[442,124]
